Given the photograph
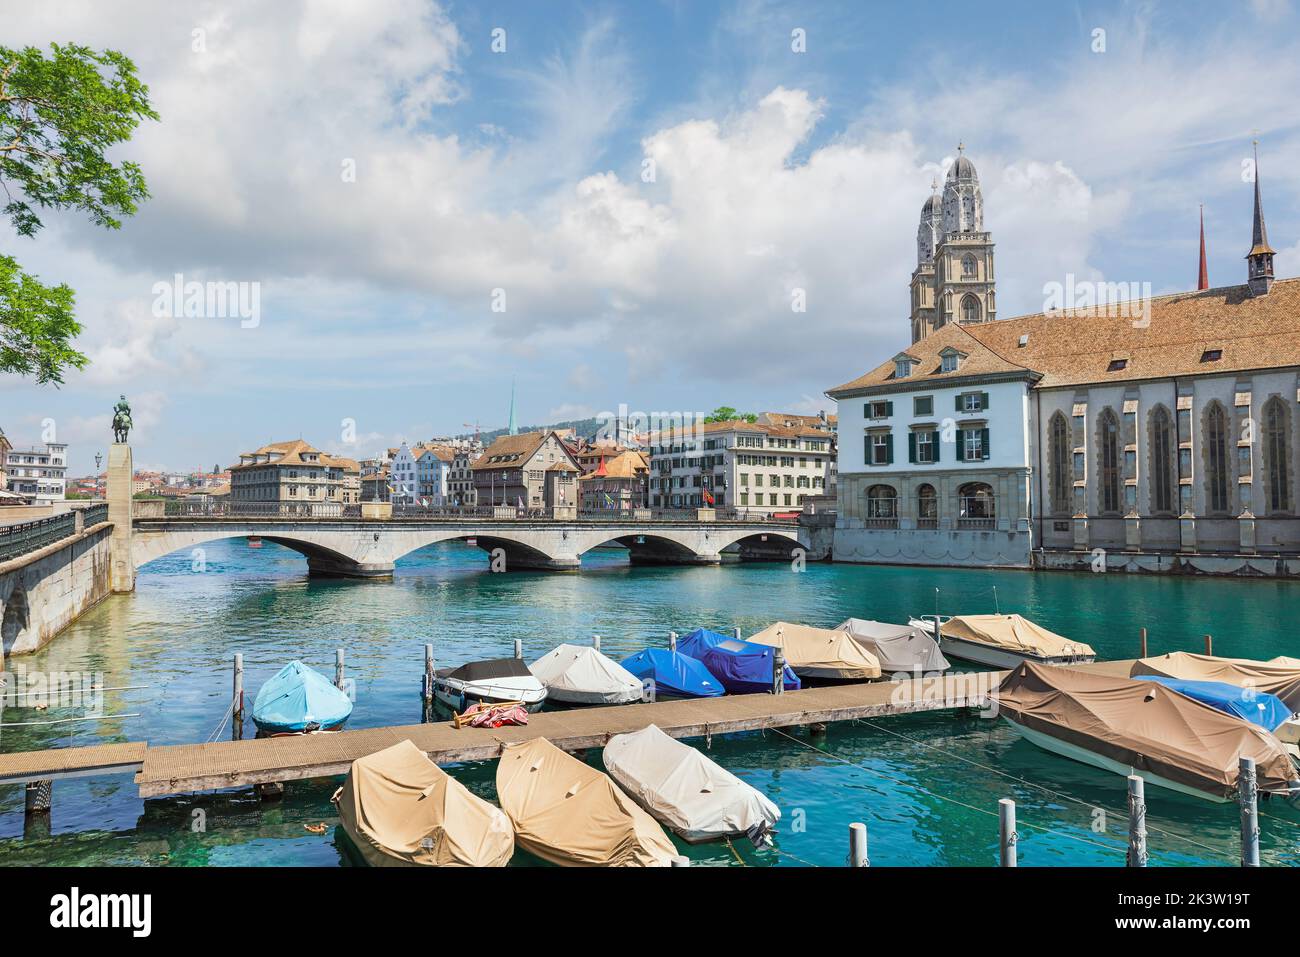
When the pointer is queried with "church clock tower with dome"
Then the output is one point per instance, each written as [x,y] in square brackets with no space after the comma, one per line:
[953,280]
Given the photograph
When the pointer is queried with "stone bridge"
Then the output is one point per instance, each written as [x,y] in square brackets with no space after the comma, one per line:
[360,548]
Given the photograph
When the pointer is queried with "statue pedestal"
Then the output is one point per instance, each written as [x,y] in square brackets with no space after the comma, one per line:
[121,479]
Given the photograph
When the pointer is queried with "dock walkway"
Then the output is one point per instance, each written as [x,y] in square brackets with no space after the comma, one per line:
[186,768]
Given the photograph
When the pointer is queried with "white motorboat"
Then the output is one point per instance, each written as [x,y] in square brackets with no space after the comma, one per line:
[579,674]
[1004,641]
[497,681]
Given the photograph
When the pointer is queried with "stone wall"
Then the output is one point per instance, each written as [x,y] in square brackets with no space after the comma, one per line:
[42,593]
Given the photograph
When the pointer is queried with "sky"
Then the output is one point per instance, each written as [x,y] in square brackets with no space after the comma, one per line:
[618,203]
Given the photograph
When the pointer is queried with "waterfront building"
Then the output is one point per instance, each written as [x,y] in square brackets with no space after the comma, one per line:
[433,468]
[1157,434]
[295,473]
[460,477]
[531,469]
[617,483]
[752,467]
[403,480]
[38,474]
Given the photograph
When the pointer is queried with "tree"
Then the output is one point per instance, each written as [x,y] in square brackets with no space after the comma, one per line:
[58,115]
[725,413]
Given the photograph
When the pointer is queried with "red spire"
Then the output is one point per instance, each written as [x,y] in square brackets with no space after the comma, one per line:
[1203,282]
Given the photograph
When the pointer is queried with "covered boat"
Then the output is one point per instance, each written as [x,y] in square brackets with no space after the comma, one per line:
[820,654]
[497,681]
[568,813]
[742,667]
[671,674]
[1257,707]
[299,700]
[1141,727]
[897,647]
[681,788]
[579,674]
[1003,641]
[400,809]
[1280,676]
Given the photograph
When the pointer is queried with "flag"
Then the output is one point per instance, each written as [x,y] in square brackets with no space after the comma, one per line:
[708,497]
[609,500]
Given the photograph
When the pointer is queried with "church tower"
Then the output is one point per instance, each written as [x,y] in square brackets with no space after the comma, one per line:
[1259,271]
[959,266]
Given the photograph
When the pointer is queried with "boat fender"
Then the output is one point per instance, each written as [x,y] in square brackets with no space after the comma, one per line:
[334,798]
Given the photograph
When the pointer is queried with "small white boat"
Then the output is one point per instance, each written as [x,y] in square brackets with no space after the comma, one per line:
[498,681]
[1004,641]
[685,791]
[579,674]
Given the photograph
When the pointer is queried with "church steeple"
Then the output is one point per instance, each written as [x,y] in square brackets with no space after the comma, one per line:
[513,425]
[1260,258]
[1203,280]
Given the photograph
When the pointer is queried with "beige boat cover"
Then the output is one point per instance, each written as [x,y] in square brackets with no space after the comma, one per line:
[581,674]
[1013,633]
[568,813]
[400,809]
[1144,725]
[819,652]
[683,789]
[1280,676]
[896,647]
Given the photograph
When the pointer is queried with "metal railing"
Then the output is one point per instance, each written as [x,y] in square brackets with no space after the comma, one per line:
[25,537]
[95,514]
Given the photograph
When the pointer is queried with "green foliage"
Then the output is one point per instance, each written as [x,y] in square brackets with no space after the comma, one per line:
[59,113]
[725,413]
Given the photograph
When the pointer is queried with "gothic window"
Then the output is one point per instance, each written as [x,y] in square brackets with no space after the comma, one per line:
[1218,467]
[1109,494]
[970,309]
[1277,456]
[968,266]
[1162,461]
[1059,457]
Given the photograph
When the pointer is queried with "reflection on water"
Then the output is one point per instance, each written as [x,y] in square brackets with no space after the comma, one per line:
[927,785]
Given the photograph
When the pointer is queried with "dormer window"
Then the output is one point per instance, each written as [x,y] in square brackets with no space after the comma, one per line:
[949,360]
[1211,355]
[903,365]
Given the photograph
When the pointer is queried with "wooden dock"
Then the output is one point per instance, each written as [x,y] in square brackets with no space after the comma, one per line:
[180,769]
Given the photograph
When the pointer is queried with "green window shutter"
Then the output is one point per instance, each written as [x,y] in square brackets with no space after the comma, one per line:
[866,450]
[984,442]
[889,449]
[984,401]
[889,408]
[957,397]
[961,445]
[934,445]
[911,447]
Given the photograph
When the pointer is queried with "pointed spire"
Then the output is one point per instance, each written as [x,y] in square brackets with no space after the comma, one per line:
[1260,258]
[512,425]
[1203,281]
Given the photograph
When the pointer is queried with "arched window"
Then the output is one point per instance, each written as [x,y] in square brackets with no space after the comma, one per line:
[882,502]
[1162,460]
[927,506]
[1110,492]
[1277,456]
[968,266]
[975,506]
[1218,467]
[1062,478]
[970,309]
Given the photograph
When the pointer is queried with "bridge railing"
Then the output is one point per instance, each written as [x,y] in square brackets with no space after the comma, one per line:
[25,537]
[452,513]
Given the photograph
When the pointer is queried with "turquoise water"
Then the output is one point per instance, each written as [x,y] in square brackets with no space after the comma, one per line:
[927,785]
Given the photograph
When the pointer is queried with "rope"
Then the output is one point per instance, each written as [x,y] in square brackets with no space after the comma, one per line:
[94,717]
[1040,787]
[230,709]
[943,797]
[739,860]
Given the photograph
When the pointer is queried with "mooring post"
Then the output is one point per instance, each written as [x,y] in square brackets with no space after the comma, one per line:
[338,668]
[519,647]
[858,845]
[428,682]
[1137,821]
[1007,831]
[1209,645]
[672,641]
[237,714]
[1248,795]
[778,672]
[680,861]
[595,642]
[1144,644]
[38,797]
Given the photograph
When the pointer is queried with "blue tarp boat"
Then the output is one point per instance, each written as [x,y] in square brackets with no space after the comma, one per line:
[743,667]
[298,700]
[674,674]
[1257,707]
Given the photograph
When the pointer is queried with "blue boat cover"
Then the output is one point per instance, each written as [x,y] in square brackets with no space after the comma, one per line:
[299,699]
[674,674]
[743,667]
[1257,707]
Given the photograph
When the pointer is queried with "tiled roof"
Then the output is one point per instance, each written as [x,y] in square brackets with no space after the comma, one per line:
[510,450]
[291,453]
[624,466]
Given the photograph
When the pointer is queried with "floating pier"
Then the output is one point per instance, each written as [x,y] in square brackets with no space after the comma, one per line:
[165,770]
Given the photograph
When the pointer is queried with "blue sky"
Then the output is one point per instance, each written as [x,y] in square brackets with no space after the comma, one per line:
[520,173]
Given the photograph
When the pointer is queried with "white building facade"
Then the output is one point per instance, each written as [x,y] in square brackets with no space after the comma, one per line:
[38,473]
